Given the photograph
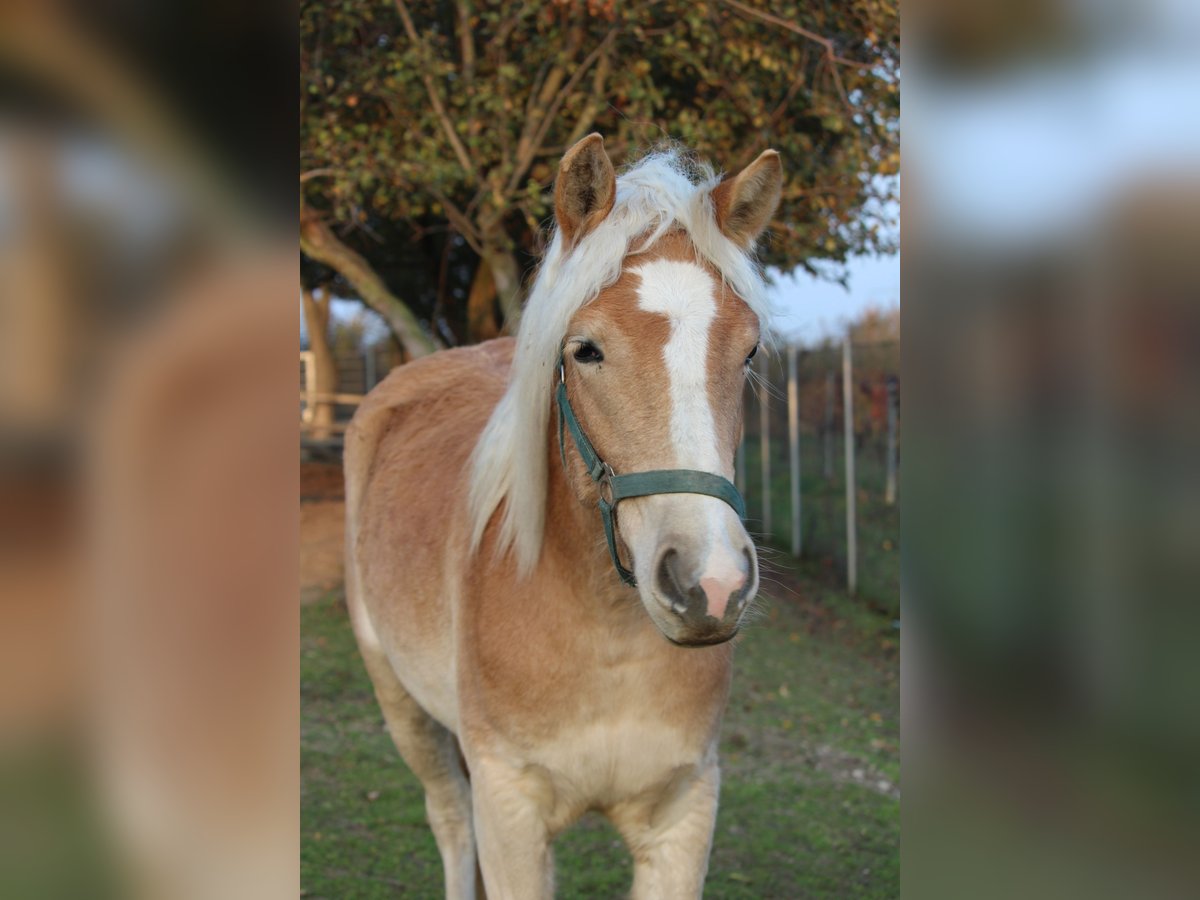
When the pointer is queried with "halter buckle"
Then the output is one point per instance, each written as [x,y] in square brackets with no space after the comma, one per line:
[604,483]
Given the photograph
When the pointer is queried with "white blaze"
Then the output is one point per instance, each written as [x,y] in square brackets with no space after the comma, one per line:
[684,293]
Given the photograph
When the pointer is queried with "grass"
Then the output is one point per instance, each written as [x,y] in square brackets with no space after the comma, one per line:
[810,760]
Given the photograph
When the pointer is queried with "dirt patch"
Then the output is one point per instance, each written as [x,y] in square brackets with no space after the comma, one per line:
[322,531]
[321,481]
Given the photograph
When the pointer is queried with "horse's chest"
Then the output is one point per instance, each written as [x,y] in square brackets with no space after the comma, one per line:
[581,690]
[621,734]
[608,761]
[601,719]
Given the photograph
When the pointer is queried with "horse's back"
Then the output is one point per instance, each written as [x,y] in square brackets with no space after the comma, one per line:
[443,399]
[406,462]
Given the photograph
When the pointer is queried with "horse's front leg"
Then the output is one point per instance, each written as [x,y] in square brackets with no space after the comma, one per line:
[670,835]
[511,805]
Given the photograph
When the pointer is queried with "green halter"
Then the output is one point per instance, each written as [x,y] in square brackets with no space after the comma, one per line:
[638,484]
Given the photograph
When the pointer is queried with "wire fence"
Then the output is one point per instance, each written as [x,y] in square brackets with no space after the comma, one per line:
[356,372]
[805,493]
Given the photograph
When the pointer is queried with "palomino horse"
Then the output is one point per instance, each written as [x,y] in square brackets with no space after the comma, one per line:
[523,677]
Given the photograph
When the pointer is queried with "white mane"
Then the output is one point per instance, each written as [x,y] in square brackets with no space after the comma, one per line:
[509,461]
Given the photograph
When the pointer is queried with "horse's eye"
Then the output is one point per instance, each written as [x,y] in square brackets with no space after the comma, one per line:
[588,353]
[752,354]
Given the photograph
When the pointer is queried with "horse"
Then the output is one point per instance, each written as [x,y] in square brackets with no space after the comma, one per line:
[545,558]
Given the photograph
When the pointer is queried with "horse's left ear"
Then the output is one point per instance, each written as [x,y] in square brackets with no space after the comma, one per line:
[744,203]
[585,189]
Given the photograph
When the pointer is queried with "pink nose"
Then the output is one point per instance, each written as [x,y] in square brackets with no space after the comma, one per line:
[718,589]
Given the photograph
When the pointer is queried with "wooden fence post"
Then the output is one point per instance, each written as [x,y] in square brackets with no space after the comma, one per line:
[764,444]
[851,493]
[370,364]
[890,493]
[794,446]
[310,386]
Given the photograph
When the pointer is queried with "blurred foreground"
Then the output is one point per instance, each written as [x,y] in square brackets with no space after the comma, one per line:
[1052,391]
[147,479]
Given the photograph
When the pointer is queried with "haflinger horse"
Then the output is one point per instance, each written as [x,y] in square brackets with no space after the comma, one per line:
[545,557]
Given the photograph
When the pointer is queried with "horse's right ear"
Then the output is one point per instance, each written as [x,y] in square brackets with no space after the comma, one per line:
[585,189]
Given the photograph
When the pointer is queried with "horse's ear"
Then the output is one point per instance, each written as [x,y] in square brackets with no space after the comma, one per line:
[744,203]
[585,189]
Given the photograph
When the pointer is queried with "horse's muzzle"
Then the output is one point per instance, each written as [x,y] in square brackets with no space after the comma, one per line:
[704,606]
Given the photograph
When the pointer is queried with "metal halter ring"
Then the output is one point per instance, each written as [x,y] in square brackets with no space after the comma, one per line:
[604,484]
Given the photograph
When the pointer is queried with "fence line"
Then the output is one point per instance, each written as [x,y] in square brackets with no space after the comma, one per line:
[794,448]
[764,445]
[828,424]
[851,482]
[309,376]
[893,388]
[841,400]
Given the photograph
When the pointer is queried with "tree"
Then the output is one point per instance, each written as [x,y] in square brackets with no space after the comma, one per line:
[876,325]
[316,322]
[320,244]
[449,118]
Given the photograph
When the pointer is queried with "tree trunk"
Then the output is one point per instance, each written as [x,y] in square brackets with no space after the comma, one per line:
[509,290]
[321,244]
[316,320]
[481,305]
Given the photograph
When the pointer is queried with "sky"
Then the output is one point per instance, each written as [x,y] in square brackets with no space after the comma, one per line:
[1038,151]
[811,308]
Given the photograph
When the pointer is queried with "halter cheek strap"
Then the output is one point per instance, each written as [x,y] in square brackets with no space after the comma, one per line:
[615,488]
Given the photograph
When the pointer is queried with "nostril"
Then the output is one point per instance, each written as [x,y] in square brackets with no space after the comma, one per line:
[668,581]
[751,564]
[750,582]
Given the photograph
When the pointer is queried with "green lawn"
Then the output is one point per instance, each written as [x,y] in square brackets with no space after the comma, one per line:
[810,756]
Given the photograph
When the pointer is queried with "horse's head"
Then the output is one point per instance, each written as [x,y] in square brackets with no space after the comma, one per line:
[654,369]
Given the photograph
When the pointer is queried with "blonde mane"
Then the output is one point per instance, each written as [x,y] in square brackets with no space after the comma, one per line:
[509,463]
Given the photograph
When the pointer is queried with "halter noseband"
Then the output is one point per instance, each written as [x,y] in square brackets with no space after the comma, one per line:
[637,484]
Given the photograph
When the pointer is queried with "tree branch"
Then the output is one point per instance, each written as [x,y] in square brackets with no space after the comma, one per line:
[536,110]
[753,148]
[831,55]
[320,243]
[466,40]
[825,42]
[506,28]
[595,103]
[435,99]
[464,225]
[524,162]
[316,173]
